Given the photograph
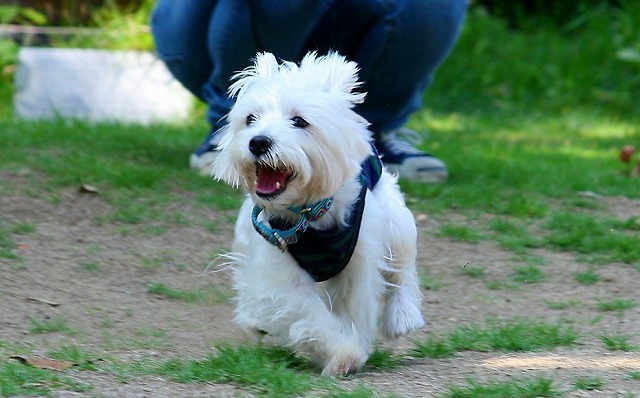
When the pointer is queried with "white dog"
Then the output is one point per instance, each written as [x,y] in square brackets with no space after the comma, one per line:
[325,246]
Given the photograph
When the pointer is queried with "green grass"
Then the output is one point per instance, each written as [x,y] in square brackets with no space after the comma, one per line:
[430,281]
[562,305]
[49,325]
[615,305]
[21,379]
[474,271]
[514,335]
[513,235]
[17,379]
[461,233]
[161,289]
[603,240]
[618,342]
[81,358]
[588,277]
[527,274]
[7,241]
[523,388]
[90,267]
[267,370]
[209,294]
[589,383]
[383,359]
[7,244]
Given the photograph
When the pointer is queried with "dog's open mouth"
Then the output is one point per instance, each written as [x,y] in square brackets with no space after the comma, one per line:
[270,181]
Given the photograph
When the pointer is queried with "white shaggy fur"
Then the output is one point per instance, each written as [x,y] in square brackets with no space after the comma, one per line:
[336,321]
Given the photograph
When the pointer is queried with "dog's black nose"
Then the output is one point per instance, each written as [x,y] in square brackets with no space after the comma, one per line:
[260,144]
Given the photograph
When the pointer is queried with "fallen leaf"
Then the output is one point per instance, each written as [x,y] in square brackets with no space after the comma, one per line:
[39,300]
[43,363]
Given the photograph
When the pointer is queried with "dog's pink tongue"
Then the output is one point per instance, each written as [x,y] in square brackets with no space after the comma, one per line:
[270,180]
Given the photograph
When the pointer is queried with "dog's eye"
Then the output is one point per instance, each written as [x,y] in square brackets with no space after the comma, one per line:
[250,119]
[299,122]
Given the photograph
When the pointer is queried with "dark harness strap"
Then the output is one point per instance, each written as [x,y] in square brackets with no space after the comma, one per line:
[325,253]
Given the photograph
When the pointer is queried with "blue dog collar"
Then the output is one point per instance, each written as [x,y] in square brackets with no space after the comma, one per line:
[282,238]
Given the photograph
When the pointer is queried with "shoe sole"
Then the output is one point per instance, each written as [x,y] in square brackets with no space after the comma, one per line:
[202,163]
[416,170]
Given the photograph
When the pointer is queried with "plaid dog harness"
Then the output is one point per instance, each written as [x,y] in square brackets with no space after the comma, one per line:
[322,253]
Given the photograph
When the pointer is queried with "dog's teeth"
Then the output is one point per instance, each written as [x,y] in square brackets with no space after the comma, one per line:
[277,185]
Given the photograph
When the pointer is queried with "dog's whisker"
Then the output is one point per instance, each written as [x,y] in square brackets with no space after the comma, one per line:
[329,300]
[223,262]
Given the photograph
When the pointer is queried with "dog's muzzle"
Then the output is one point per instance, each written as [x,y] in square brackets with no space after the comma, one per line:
[260,145]
[271,180]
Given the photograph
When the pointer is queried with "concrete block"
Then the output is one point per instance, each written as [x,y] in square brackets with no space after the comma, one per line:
[97,85]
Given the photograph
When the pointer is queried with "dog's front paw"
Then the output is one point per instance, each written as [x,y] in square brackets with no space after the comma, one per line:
[345,362]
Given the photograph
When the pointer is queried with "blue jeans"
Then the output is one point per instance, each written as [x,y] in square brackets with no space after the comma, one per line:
[398,44]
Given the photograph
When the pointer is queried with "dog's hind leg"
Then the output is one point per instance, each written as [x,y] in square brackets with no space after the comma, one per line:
[402,312]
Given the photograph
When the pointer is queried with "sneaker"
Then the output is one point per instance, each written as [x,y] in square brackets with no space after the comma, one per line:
[396,148]
[202,158]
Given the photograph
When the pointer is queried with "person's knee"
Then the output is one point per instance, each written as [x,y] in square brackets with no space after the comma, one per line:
[176,25]
[165,29]
[444,15]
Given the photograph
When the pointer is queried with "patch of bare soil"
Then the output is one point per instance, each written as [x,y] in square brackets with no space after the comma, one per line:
[94,276]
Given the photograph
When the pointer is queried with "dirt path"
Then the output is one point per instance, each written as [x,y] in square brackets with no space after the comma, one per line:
[95,277]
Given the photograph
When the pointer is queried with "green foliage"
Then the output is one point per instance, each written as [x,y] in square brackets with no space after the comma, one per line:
[589,383]
[268,370]
[434,348]
[21,15]
[616,304]
[618,342]
[18,379]
[82,359]
[515,335]
[8,54]
[528,274]
[588,277]
[539,69]
[562,305]
[513,235]
[474,271]
[462,233]
[383,359]
[6,243]
[164,290]
[601,239]
[50,325]
[90,267]
[558,13]
[523,388]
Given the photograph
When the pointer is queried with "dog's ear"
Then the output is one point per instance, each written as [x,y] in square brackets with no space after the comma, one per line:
[265,65]
[338,75]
